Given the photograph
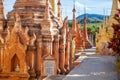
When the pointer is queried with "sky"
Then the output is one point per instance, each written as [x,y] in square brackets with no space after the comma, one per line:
[92,7]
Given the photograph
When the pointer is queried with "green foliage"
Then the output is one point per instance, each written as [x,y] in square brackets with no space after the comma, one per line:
[69,23]
[92,29]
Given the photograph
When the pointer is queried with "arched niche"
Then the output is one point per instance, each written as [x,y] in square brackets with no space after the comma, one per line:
[15,64]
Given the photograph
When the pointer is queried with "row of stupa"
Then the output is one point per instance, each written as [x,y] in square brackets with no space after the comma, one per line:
[34,43]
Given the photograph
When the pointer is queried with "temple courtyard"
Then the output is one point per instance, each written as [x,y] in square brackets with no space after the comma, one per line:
[91,67]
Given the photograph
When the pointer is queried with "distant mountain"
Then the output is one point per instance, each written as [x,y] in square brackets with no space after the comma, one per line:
[91,18]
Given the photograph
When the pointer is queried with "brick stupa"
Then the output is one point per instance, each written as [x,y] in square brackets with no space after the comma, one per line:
[33,42]
[86,41]
[79,39]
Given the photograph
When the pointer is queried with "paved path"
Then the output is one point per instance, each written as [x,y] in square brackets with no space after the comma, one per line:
[94,68]
[56,77]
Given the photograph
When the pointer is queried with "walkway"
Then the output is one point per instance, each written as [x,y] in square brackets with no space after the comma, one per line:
[94,68]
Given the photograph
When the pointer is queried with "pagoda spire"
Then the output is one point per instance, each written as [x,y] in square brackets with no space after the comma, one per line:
[114,7]
[74,21]
[47,15]
[113,11]
[105,21]
[85,33]
[74,12]
[112,20]
[59,10]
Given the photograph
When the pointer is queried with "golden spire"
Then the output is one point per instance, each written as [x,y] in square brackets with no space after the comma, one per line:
[113,11]
[53,4]
[112,20]
[105,19]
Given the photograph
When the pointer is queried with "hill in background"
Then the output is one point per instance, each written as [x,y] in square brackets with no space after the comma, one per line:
[91,18]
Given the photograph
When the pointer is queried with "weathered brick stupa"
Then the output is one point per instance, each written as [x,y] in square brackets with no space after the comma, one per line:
[86,42]
[73,31]
[79,39]
[34,43]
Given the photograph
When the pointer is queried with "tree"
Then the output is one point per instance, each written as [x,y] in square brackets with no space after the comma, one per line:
[92,32]
[70,24]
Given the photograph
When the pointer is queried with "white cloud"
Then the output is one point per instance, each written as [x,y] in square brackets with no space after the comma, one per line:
[81,6]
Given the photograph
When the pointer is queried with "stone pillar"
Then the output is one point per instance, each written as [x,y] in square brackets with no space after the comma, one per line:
[73,47]
[71,54]
[38,56]
[56,51]
[62,46]
[31,61]
[62,56]
[67,53]
[1,57]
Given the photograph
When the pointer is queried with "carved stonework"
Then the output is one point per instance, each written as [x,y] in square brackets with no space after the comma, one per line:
[34,42]
[14,54]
